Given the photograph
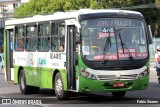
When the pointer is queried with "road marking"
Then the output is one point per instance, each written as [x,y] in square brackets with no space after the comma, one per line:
[4,97]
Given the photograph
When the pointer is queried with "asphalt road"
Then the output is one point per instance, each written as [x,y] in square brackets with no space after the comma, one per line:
[142,98]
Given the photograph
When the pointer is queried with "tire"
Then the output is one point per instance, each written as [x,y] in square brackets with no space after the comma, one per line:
[59,87]
[119,94]
[159,80]
[24,88]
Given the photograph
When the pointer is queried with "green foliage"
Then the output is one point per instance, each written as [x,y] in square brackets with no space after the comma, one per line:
[94,4]
[157,2]
[35,7]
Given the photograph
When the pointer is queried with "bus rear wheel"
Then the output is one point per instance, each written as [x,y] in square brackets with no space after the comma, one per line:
[59,87]
[119,94]
[24,88]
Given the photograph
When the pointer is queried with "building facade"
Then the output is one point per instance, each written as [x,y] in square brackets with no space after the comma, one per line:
[7,8]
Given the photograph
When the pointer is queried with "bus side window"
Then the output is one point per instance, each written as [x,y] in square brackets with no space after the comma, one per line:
[61,47]
[31,38]
[27,44]
[55,44]
[48,43]
[19,38]
[43,37]
[58,32]
[39,44]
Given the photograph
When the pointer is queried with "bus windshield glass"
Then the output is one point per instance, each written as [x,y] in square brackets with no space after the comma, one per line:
[113,39]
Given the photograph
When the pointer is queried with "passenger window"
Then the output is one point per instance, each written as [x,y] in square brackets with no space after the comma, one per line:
[58,36]
[19,38]
[31,38]
[44,37]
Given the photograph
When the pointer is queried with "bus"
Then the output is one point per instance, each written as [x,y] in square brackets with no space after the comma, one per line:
[84,51]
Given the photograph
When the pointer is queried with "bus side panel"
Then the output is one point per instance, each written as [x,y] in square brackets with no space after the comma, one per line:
[16,74]
[42,77]
[63,73]
[64,78]
[28,73]
[47,80]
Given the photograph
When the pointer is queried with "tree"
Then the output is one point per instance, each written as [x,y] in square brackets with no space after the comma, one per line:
[35,7]
[157,3]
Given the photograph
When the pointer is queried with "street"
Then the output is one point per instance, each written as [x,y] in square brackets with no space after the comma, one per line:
[48,98]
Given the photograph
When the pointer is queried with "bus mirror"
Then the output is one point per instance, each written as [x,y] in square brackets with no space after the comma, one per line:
[149,34]
[77,38]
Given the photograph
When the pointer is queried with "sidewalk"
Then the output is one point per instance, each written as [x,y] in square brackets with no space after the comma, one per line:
[1,72]
[6,87]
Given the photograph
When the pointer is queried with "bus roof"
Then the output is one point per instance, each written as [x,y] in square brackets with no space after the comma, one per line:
[65,15]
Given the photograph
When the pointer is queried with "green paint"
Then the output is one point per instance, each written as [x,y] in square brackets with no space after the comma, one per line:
[40,77]
[101,86]
[5,51]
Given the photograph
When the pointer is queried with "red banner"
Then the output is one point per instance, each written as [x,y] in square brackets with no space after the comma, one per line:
[121,55]
[134,55]
[105,35]
[106,57]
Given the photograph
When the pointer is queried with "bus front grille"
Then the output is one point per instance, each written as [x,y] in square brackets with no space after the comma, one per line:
[113,77]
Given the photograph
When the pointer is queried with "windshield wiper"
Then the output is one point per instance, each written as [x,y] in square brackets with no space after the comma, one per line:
[124,45]
[121,42]
[108,42]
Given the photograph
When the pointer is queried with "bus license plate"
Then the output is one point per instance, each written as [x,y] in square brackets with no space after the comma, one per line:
[118,84]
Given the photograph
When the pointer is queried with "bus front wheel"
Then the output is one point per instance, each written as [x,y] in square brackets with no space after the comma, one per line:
[59,87]
[119,94]
[25,89]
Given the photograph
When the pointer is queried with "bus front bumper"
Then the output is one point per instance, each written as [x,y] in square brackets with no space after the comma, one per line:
[88,85]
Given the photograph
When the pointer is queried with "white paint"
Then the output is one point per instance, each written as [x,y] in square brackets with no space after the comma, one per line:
[12,74]
[116,73]
[77,84]
[65,15]
[39,59]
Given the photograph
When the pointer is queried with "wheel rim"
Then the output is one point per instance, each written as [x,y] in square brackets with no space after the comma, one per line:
[58,86]
[22,82]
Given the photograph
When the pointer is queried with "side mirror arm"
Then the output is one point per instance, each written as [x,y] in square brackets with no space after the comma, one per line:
[149,34]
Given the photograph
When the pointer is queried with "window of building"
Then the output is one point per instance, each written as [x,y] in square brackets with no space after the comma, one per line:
[19,38]
[44,37]
[15,5]
[58,36]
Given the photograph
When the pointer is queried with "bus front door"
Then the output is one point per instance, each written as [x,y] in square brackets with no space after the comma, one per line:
[71,57]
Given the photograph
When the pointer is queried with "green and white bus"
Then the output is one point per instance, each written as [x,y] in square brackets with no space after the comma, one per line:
[92,51]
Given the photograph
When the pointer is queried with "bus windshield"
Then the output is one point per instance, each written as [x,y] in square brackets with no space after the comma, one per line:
[113,39]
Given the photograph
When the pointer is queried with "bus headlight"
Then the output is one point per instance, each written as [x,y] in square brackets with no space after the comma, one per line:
[86,74]
[144,73]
